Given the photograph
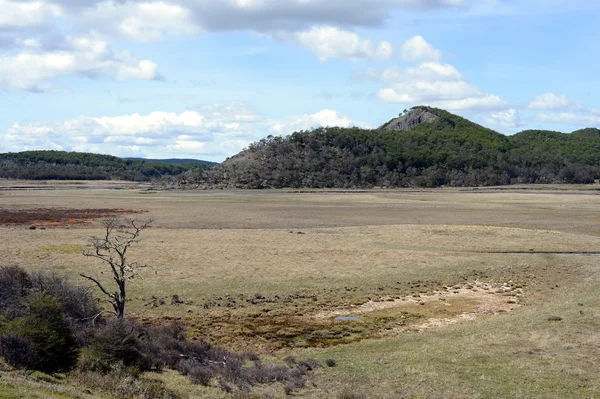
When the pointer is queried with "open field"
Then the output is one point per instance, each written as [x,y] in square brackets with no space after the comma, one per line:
[442,293]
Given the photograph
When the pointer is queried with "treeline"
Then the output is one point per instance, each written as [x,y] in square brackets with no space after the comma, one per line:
[450,151]
[61,165]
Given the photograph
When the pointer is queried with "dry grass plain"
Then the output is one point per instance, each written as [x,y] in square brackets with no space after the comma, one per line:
[452,289]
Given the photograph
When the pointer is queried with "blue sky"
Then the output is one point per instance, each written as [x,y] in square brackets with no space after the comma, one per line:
[204,78]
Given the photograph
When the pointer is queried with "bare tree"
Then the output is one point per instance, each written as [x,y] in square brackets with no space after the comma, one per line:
[112,248]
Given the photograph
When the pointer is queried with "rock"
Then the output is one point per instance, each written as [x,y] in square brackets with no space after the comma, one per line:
[412,119]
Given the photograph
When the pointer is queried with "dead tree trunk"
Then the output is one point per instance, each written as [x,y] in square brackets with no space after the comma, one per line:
[112,248]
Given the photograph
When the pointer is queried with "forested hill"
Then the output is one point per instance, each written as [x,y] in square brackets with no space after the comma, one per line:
[61,165]
[174,160]
[426,147]
[423,147]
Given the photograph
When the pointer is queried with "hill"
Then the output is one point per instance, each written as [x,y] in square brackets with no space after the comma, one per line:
[61,165]
[426,147]
[175,161]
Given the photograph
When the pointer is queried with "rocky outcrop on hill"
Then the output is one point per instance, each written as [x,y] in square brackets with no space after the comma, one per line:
[412,119]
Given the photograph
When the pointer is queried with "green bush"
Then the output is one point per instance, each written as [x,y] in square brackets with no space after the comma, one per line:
[114,346]
[47,330]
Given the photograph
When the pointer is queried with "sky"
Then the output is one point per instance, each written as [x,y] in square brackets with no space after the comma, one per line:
[204,78]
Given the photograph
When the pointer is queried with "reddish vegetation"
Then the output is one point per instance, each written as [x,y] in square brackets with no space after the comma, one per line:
[57,217]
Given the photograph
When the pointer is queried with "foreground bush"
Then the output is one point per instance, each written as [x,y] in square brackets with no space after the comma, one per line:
[126,344]
[14,285]
[49,325]
[42,340]
[43,320]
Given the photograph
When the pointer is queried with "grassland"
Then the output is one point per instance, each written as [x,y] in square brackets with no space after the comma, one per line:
[457,293]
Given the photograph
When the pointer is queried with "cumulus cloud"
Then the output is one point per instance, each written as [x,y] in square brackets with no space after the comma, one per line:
[209,129]
[509,118]
[417,49]
[323,118]
[143,21]
[32,67]
[330,42]
[23,14]
[51,25]
[435,84]
[551,102]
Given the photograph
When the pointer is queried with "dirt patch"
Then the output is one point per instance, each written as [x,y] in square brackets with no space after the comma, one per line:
[421,312]
[57,217]
[486,295]
[266,329]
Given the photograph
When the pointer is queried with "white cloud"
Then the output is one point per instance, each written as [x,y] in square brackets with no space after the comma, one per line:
[22,14]
[551,102]
[209,129]
[87,56]
[435,84]
[143,21]
[40,31]
[570,118]
[330,42]
[149,20]
[417,49]
[323,118]
[509,118]
[427,71]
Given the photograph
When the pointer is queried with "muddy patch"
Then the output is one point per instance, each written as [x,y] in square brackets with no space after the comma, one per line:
[418,312]
[275,328]
[57,217]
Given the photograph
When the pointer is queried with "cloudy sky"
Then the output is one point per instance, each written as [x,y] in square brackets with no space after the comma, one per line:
[204,78]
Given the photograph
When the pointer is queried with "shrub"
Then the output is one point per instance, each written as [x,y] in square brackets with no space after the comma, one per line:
[120,344]
[115,345]
[308,365]
[77,302]
[79,306]
[47,329]
[18,351]
[197,373]
[14,283]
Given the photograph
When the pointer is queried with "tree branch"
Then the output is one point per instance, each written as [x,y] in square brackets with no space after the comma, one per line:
[98,284]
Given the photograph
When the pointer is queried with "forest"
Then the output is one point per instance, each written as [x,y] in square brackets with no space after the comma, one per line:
[450,151]
[62,165]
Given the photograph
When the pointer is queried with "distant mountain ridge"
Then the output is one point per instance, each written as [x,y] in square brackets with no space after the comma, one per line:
[62,165]
[173,160]
[423,147]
